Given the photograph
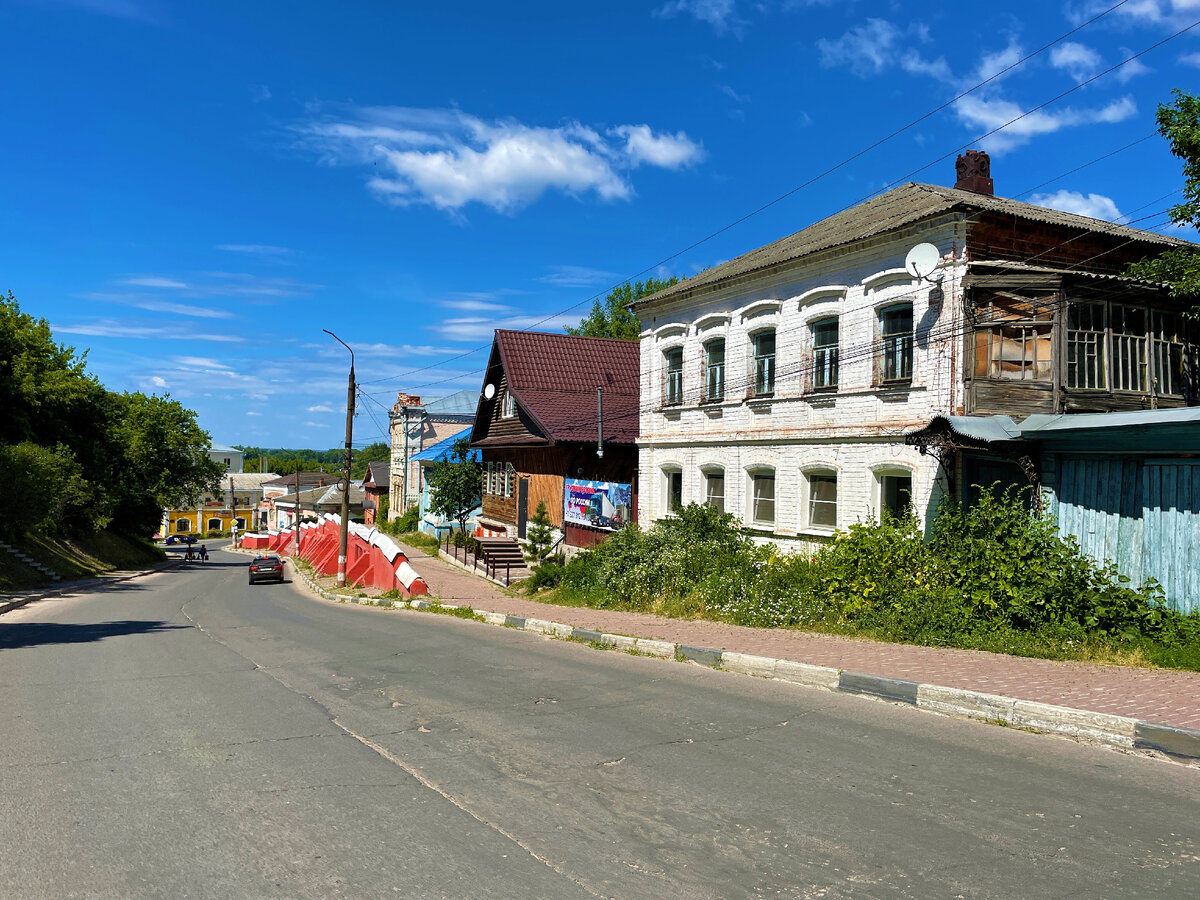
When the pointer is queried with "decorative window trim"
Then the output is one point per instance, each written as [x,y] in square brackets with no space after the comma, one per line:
[826,293]
[670,330]
[712,320]
[758,309]
[887,278]
[831,368]
[508,405]
[672,397]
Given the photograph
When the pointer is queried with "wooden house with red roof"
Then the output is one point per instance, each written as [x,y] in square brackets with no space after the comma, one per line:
[557,423]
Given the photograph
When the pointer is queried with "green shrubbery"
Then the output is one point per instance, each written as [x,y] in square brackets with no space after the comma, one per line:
[993,576]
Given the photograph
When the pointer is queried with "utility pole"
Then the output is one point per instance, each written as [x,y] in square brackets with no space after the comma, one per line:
[345,523]
[296,511]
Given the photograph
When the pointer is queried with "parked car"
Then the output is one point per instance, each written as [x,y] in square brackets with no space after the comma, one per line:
[266,568]
[180,539]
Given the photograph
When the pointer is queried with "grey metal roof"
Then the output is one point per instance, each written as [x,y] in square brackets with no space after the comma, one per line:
[1017,266]
[1043,425]
[979,428]
[900,206]
[462,403]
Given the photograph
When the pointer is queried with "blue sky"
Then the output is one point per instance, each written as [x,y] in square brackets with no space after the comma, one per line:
[192,191]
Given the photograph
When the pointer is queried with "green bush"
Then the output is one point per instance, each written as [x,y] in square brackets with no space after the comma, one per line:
[993,576]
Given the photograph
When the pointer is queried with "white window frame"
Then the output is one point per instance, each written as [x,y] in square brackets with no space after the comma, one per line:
[897,345]
[827,366]
[708,472]
[809,500]
[763,367]
[670,472]
[753,478]
[893,470]
[715,396]
[672,397]
[508,405]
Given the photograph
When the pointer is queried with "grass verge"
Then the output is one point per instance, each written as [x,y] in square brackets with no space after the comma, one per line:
[74,557]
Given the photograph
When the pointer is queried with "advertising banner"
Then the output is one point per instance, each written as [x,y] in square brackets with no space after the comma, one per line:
[597,504]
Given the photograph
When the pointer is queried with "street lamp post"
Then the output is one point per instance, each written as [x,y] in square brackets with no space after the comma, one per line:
[345,523]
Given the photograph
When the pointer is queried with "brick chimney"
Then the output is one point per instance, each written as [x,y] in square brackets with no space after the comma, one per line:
[403,399]
[974,170]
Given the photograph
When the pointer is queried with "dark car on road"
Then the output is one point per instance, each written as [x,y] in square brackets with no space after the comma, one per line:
[266,568]
[180,539]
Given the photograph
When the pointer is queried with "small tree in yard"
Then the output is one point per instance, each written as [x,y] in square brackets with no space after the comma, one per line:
[455,483]
[539,536]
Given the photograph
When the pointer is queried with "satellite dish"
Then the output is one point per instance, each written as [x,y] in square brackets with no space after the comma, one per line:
[489,391]
[922,260]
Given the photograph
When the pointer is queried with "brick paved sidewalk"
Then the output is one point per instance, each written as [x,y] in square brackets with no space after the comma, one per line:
[1152,695]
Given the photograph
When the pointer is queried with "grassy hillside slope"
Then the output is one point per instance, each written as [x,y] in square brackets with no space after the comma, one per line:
[76,557]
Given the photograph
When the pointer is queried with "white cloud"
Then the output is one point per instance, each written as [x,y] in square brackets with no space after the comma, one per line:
[448,159]
[316,424]
[256,249]
[251,412]
[150,304]
[116,329]
[327,409]
[1097,206]
[159,382]
[1131,69]
[988,114]
[722,15]
[1077,60]
[479,329]
[259,93]
[1190,59]
[1169,13]
[865,50]
[199,362]
[576,276]
[153,281]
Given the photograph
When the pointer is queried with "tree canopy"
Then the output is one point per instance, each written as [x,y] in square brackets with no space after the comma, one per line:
[1179,123]
[455,484]
[79,457]
[612,318]
[284,461]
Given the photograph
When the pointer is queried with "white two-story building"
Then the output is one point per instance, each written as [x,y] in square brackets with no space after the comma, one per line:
[779,386]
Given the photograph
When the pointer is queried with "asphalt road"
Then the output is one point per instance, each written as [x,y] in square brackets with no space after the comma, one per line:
[185,735]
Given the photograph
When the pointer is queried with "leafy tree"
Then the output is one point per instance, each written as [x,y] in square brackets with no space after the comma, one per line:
[612,317]
[455,484]
[1179,123]
[377,452]
[164,461]
[83,456]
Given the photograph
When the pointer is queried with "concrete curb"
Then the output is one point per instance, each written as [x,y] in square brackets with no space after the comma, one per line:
[81,585]
[1085,726]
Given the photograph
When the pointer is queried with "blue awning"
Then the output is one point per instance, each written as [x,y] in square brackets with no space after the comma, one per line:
[441,450]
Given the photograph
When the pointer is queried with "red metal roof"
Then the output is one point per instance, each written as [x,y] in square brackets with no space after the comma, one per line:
[554,377]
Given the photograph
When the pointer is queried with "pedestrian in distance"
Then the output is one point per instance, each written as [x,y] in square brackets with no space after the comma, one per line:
[188,556]
[203,553]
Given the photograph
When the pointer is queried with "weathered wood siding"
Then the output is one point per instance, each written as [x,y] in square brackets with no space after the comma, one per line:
[1142,515]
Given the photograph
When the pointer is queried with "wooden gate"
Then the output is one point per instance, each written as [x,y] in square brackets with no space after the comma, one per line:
[1171,522]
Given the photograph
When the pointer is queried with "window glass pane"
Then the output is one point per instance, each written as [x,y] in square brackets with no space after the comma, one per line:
[822,500]
[896,494]
[895,328]
[714,490]
[714,377]
[764,362]
[674,387]
[825,354]
[764,499]
[674,491]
